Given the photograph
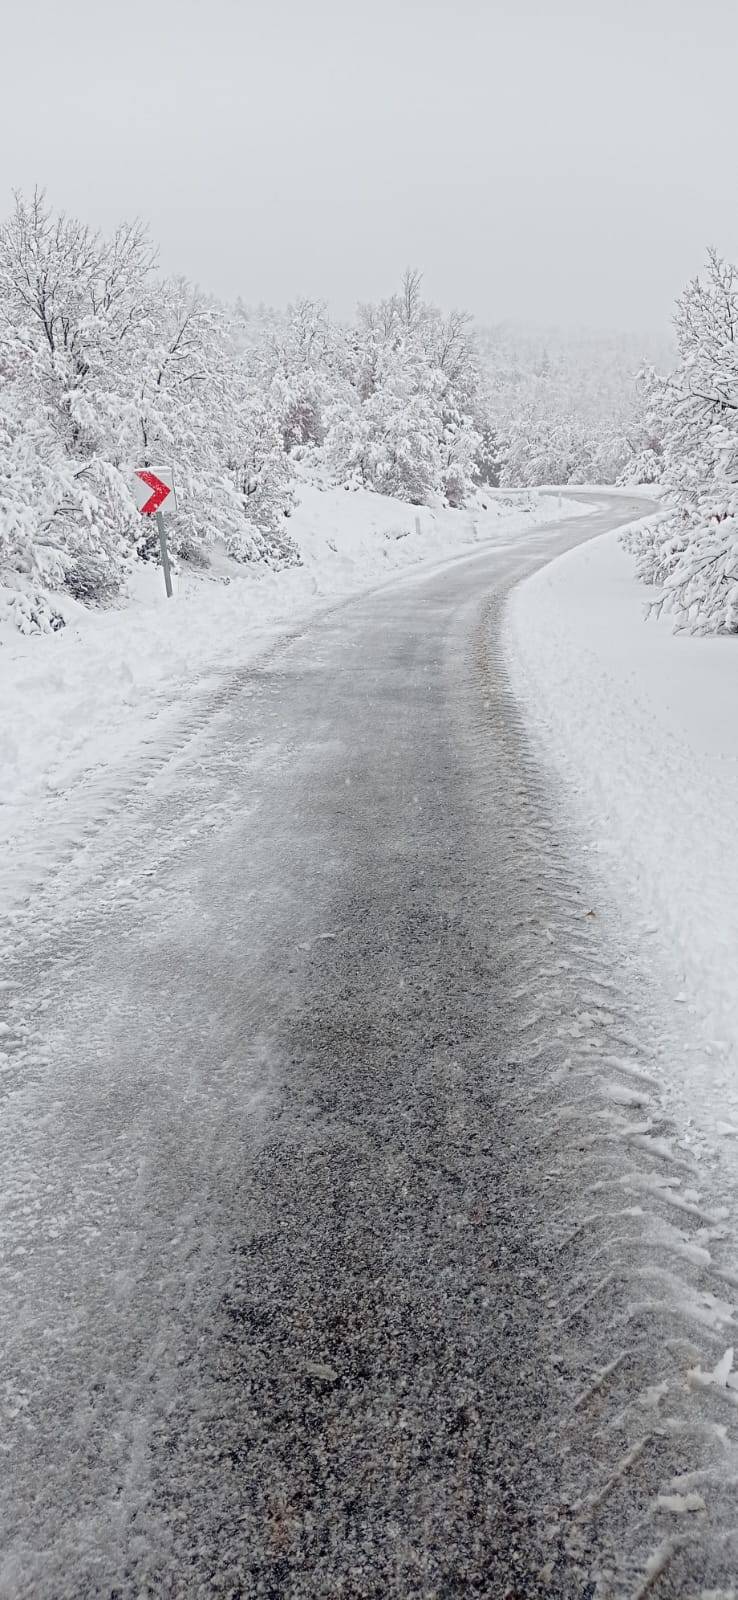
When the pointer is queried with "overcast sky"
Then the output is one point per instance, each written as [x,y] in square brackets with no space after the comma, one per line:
[555,162]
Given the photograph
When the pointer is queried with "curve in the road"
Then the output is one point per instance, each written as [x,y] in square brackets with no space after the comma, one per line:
[350,1253]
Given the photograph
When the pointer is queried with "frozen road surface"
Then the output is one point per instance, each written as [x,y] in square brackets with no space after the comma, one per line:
[348,1251]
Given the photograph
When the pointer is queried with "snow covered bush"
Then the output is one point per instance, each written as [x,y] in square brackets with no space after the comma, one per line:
[692,553]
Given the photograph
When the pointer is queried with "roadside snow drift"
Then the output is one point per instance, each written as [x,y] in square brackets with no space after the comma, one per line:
[641,726]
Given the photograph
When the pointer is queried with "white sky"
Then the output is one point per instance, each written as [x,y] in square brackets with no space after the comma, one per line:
[538,159]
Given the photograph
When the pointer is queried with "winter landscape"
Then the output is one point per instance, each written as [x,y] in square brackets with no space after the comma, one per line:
[369,803]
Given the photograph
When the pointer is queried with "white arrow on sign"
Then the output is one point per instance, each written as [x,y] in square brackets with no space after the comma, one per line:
[151,487]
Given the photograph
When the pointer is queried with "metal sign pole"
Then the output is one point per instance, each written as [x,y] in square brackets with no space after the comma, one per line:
[164,553]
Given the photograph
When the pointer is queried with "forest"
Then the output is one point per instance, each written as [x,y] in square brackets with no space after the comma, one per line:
[107,364]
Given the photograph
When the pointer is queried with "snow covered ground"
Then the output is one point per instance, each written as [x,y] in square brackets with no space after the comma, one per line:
[81,707]
[641,727]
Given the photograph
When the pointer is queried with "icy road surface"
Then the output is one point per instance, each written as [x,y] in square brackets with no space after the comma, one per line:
[348,1249]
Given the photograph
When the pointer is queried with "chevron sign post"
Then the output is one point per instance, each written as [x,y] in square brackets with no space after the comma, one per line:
[152,486]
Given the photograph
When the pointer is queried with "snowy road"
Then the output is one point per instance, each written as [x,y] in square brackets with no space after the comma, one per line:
[347,1250]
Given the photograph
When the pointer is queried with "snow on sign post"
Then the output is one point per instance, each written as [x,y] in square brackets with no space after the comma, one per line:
[152,486]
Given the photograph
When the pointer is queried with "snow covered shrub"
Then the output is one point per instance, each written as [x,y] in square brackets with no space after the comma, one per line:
[89,579]
[29,612]
[192,551]
[63,523]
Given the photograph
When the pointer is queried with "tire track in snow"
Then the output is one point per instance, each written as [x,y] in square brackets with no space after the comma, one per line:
[649,1265]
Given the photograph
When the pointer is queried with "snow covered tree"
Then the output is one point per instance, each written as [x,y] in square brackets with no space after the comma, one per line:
[70,304]
[645,439]
[565,408]
[404,420]
[300,371]
[692,553]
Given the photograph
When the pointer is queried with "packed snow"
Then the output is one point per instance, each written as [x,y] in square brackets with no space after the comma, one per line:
[640,729]
[79,706]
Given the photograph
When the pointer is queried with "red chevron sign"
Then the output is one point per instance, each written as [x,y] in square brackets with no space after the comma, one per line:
[152,488]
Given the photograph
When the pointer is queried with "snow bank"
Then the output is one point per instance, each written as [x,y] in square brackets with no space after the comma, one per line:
[641,725]
[79,706]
